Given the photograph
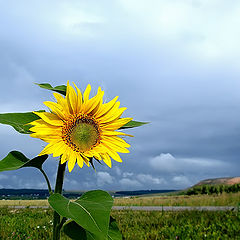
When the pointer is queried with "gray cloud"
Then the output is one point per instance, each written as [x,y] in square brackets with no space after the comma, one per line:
[171,63]
[167,163]
[181,181]
[3,177]
[104,178]
[127,183]
[149,179]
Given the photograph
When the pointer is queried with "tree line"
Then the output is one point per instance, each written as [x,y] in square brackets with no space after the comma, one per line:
[213,189]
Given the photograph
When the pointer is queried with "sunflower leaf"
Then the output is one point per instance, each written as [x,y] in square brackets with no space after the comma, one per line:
[75,232]
[60,89]
[133,124]
[91,211]
[15,160]
[114,232]
[19,121]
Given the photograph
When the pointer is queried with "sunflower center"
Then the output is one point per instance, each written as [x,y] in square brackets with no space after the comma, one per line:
[81,133]
[84,136]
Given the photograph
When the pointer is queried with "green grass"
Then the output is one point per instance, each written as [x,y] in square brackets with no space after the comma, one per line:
[178,225]
[225,199]
[35,224]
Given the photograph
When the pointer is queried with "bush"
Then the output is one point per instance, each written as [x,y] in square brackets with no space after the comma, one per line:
[213,189]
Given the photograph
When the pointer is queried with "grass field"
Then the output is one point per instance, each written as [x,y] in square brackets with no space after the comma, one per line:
[36,224]
[225,199]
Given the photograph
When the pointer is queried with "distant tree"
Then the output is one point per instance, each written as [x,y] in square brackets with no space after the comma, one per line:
[197,190]
[190,191]
[211,189]
[204,189]
[235,188]
[221,188]
[217,189]
[227,189]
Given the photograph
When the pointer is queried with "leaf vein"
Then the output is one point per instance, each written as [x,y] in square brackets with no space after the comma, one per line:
[88,214]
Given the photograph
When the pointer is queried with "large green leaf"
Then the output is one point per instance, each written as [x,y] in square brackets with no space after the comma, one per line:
[133,124]
[19,121]
[15,160]
[91,211]
[76,232]
[60,89]
[114,232]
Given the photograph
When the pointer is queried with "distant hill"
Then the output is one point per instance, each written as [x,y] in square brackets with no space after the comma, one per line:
[32,194]
[140,192]
[219,181]
[43,193]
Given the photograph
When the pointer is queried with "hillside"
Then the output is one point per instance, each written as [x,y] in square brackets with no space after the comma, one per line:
[220,181]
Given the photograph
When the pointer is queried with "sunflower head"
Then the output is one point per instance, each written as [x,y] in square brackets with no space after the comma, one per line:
[79,128]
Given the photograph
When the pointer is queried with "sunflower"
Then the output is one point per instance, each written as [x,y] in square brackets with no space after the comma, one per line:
[79,128]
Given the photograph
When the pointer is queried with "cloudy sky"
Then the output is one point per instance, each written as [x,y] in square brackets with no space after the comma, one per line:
[172,63]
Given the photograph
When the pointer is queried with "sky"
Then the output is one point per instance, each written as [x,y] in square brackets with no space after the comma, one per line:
[172,63]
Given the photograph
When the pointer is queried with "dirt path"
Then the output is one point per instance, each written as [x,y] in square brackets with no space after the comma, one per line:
[155,208]
[178,208]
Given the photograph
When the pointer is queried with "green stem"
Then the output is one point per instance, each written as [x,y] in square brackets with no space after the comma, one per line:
[47,180]
[58,189]
[62,222]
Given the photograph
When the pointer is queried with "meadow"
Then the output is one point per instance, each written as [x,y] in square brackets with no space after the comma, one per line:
[21,224]
[32,224]
[224,199]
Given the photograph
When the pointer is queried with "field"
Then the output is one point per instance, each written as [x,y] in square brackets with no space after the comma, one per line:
[225,199]
[32,224]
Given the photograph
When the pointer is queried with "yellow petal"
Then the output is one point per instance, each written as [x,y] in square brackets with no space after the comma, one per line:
[79,99]
[107,159]
[47,150]
[79,161]
[46,131]
[116,124]
[93,104]
[115,147]
[85,159]
[114,116]
[64,157]
[39,122]
[99,149]
[95,154]
[114,155]
[112,112]
[50,139]
[117,140]
[86,93]
[71,161]
[105,108]
[49,118]
[56,108]
[62,101]
[71,97]
[59,149]
[114,133]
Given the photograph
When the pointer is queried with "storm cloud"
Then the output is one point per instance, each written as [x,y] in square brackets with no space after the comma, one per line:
[174,64]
